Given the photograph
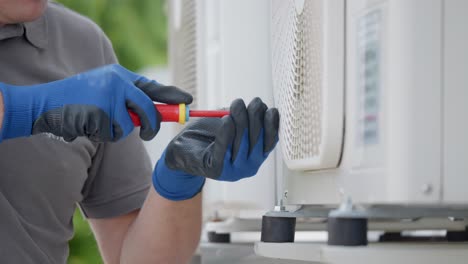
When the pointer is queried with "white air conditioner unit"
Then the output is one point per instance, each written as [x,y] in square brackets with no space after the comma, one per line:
[373,113]
[219,51]
[372,96]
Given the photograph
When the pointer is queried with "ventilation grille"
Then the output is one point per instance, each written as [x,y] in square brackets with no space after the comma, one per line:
[184,48]
[297,75]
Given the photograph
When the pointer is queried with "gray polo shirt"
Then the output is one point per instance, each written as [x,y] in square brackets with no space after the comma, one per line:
[42,179]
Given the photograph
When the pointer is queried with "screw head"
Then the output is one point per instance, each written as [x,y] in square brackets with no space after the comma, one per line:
[426,188]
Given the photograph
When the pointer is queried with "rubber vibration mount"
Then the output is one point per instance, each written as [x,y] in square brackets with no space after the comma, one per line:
[278,229]
[457,236]
[347,231]
[214,237]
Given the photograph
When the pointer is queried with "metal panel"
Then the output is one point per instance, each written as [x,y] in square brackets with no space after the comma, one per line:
[456,102]
[387,253]
[211,253]
[404,164]
[414,88]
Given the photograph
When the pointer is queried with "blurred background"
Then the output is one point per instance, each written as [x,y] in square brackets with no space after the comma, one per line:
[138,31]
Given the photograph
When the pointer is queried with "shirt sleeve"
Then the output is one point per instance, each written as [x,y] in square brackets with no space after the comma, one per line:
[118,180]
[108,51]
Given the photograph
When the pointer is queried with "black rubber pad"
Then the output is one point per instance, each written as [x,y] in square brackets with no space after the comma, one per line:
[278,229]
[347,231]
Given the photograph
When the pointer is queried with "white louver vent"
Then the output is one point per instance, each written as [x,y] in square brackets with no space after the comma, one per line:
[183,45]
[303,95]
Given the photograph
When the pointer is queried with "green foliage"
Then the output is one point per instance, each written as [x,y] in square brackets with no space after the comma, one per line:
[137,29]
[83,247]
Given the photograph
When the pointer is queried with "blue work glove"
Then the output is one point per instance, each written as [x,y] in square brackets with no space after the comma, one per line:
[92,104]
[226,149]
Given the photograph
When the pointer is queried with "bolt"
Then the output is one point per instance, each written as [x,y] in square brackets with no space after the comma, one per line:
[456,219]
[215,217]
[426,189]
[282,207]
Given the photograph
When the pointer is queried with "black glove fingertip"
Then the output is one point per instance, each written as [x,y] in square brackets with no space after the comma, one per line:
[256,112]
[271,127]
[226,132]
[224,139]
[147,132]
[181,96]
[238,113]
[164,94]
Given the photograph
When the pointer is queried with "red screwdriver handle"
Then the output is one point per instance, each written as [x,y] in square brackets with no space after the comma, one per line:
[178,113]
[135,118]
[169,113]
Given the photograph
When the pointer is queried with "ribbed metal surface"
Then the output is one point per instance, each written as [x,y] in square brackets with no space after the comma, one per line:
[184,49]
[297,49]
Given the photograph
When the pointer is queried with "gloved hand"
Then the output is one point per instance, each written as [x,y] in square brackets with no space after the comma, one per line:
[226,149]
[92,104]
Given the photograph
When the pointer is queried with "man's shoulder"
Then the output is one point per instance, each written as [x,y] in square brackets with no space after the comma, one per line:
[69,22]
[76,40]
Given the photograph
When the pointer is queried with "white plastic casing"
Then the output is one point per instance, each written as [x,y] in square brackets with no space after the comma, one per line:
[406,133]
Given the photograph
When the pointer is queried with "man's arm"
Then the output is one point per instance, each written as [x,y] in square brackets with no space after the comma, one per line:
[167,228]
[84,105]
[163,231]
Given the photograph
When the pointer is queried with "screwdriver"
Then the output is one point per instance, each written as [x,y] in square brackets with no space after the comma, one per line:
[179,113]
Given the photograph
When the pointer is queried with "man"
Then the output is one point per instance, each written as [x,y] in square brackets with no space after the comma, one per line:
[47,84]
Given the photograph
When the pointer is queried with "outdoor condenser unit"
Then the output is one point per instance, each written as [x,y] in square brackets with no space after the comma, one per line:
[373,102]
[219,51]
